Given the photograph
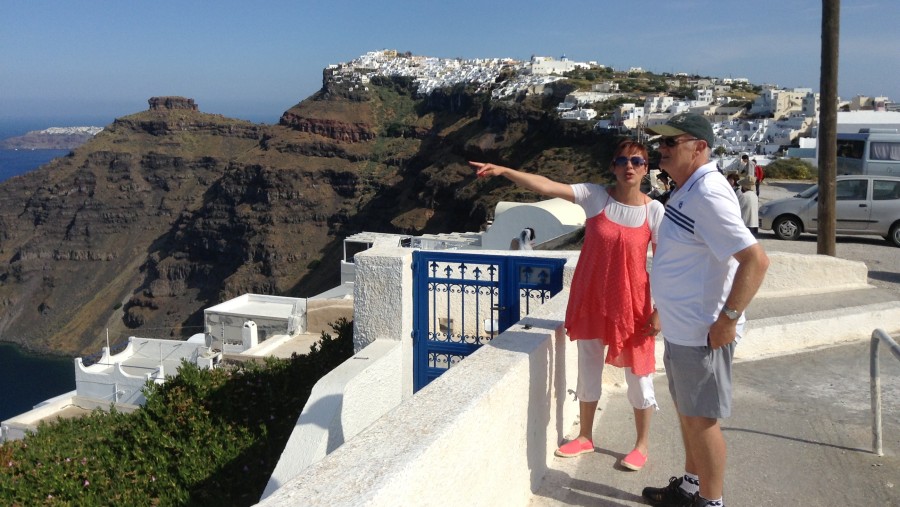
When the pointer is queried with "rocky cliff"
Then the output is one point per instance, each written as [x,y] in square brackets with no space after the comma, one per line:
[172,210]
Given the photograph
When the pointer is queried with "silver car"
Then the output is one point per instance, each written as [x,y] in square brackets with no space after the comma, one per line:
[865,204]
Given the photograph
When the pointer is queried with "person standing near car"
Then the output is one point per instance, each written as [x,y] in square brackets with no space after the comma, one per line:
[759,173]
[706,269]
[749,203]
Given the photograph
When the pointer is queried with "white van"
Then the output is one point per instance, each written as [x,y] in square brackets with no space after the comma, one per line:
[870,151]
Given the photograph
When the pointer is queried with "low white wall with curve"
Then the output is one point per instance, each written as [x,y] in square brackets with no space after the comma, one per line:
[549,218]
[341,404]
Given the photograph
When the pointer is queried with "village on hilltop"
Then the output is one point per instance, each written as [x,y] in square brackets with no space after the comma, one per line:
[775,119]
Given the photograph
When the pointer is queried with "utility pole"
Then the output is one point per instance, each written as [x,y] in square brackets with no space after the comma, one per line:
[828,82]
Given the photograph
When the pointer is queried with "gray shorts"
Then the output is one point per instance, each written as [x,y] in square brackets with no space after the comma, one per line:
[700,379]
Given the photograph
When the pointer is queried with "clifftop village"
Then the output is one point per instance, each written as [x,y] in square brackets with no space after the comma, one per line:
[777,117]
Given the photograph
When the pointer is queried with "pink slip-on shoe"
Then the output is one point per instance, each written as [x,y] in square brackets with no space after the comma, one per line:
[634,461]
[574,448]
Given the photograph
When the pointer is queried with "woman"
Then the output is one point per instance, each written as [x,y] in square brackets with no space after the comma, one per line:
[609,301]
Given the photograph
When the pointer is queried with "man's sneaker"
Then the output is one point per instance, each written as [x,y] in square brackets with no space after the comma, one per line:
[669,496]
[699,501]
[575,448]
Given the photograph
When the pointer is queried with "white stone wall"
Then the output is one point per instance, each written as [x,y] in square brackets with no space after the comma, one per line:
[341,404]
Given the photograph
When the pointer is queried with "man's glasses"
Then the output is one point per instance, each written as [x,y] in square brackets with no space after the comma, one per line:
[671,142]
[635,161]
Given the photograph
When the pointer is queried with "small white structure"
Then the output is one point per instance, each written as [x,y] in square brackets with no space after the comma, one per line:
[272,316]
[120,378]
[579,114]
[550,219]
[542,65]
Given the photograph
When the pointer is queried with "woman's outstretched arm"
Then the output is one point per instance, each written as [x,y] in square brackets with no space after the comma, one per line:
[534,182]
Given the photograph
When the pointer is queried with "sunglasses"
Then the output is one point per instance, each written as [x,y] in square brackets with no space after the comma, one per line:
[635,161]
[671,142]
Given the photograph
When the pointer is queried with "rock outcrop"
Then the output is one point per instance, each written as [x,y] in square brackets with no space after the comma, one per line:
[172,103]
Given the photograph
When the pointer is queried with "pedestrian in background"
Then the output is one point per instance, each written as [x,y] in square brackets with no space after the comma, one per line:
[733,180]
[749,203]
[745,168]
[524,241]
[759,173]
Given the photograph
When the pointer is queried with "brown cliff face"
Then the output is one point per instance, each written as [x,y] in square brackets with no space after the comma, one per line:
[332,129]
[170,211]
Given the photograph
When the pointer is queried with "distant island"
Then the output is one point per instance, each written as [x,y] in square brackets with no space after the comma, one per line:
[53,138]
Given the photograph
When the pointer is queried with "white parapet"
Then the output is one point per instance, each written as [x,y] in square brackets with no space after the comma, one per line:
[341,404]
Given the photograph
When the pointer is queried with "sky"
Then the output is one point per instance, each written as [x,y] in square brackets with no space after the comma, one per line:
[78,61]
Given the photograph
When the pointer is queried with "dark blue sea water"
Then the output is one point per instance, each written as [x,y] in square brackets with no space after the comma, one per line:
[15,162]
[27,380]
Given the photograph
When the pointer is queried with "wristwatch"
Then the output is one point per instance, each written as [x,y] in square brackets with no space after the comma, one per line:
[731,313]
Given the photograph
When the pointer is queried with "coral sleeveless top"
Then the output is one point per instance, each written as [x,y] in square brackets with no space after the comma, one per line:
[610,294]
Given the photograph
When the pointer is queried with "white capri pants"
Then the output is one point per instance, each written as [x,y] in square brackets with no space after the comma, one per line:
[590,377]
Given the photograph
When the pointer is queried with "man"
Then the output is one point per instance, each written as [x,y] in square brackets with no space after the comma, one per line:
[706,270]
[749,203]
[745,168]
[733,180]
[759,174]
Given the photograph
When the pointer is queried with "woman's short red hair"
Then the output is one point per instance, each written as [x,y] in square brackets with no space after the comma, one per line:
[631,146]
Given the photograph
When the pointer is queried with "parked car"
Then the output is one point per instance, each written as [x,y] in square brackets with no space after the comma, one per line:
[864,204]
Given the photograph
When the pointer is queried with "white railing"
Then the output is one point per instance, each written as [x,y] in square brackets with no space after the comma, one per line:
[878,336]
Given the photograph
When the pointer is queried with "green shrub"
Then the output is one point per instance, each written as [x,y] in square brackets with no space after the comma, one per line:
[205,437]
[790,169]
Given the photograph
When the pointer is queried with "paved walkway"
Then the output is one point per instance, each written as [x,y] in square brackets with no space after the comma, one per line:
[800,434]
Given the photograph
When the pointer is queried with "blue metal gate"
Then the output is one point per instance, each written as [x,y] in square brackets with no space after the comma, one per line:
[462,301]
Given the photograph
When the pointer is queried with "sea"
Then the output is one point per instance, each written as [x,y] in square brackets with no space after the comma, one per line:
[25,379]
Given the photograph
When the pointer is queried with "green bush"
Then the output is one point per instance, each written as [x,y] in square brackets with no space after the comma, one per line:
[790,169]
[205,437]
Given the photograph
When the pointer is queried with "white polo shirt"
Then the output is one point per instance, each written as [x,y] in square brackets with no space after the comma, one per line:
[693,267]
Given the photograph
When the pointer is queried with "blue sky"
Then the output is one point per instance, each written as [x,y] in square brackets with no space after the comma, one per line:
[67,60]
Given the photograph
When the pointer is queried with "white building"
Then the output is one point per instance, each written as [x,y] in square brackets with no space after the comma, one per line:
[658,103]
[585,98]
[579,114]
[273,317]
[778,103]
[703,95]
[544,65]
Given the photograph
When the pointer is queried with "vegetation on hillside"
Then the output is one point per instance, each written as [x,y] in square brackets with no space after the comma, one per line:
[205,437]
[790,169]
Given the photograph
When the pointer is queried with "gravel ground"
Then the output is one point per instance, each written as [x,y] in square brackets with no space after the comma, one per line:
[882,258]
